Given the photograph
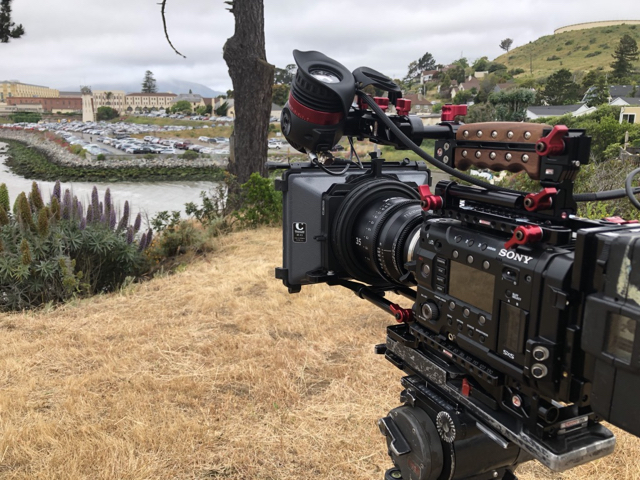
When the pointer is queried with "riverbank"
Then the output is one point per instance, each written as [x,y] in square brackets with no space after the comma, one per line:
[214,372]
[33,156]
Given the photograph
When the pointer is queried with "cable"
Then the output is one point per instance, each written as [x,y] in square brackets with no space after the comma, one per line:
[629,190]
[606,195]
[418,151]
[353,151]
[325,169]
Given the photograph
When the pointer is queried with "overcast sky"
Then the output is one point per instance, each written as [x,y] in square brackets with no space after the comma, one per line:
[74,42]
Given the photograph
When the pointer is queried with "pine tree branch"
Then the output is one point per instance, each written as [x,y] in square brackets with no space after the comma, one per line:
[166,33]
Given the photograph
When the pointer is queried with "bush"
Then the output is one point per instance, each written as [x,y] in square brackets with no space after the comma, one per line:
[593,54]
[261,204]
[55,251]
[553,58]
[190,155]
[76,149]
[101,157]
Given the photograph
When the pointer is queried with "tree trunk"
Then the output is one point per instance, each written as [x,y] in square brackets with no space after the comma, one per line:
[252,78]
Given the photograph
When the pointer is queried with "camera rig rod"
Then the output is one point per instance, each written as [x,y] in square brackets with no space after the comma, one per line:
[402,315]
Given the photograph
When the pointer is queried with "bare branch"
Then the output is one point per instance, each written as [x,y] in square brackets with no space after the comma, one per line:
[166,33]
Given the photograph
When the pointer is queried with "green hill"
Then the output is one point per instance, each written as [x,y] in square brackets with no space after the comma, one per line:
[577,50]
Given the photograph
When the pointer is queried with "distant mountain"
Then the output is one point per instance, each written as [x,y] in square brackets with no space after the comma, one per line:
[584,50]
[173,86]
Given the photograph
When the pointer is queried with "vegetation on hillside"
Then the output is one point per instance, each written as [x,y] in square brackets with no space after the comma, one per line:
[579,50]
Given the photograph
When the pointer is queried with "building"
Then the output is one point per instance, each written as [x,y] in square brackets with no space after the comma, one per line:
[193,98]
[559,110]
[14,88]
[625,101]
[630,114]
[615,91]
[149,101]
[51,105]
[109,98]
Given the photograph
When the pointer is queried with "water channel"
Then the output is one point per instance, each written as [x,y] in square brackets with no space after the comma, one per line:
[147,198]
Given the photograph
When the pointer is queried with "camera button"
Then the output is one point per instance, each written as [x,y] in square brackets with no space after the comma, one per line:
[456,254]
[486,264]
[452,305]
[470,331]
[426,270]
[470,259]
[458,238]
[466,312]
[482,338]
[470,242]
[482,320]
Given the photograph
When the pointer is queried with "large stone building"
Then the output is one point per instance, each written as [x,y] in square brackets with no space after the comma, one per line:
[53,105]
[14,88]
[140,101]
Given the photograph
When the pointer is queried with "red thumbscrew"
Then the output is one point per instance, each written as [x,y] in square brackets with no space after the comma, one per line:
[429,201]
[553,144]
[403,315]
[541,200]
[524,234]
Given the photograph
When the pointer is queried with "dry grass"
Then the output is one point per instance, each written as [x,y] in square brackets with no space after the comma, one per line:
[214,372]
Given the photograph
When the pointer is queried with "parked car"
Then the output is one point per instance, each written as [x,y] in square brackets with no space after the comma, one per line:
[203,139]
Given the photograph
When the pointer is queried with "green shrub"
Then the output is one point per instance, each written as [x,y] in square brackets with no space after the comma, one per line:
[101,157]
[76,149]
[55,251]
[593,54]
[261,204]
[190,155]
[553,58]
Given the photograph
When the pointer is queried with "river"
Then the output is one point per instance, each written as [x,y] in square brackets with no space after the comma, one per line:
[147,198]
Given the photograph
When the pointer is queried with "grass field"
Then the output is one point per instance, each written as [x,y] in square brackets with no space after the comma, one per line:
[212,373]
[578,50]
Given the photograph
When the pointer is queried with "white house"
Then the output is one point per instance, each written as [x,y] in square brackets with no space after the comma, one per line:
[559,110]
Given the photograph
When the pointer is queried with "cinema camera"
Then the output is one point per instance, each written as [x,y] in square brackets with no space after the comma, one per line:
[521,337]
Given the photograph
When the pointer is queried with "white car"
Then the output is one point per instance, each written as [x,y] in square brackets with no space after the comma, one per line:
[203,139]
[222,151]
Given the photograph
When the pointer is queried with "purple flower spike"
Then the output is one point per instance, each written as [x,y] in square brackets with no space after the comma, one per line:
[83,224]
[107,198]
[143,242]
[124,221]
[112,219]
[149,238]
[57,190]
[137,223]
[129,235]
[89,216]
[66,205]
[95,205]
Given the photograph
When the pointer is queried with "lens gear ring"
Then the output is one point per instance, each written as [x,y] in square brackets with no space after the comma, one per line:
[446,427]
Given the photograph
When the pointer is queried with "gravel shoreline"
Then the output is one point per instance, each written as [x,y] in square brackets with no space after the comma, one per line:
[61,156]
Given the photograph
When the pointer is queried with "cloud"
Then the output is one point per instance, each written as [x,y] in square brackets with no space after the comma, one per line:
[73,42]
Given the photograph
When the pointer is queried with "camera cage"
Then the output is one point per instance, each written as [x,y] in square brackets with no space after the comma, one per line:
[552,422]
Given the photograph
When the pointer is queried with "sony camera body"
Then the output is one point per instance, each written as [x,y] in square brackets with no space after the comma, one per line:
[521,332]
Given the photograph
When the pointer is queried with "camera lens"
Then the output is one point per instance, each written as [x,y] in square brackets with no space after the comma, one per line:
[376,230]
[324,76]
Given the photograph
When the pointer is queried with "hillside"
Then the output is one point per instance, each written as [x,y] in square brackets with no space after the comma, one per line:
[577,50]
[215,372]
